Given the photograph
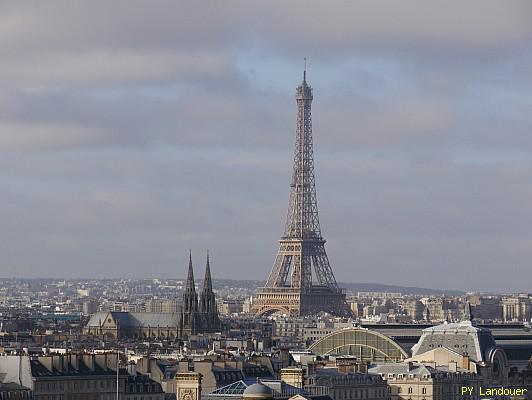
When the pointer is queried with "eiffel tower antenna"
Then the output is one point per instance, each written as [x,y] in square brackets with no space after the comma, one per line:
[302,247]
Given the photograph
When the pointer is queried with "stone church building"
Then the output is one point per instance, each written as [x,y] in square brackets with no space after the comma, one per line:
[196,314]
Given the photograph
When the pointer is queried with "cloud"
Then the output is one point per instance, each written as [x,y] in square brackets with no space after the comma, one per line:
[132,132]
[399,122]
[76,43]
[31,136]
[107,66]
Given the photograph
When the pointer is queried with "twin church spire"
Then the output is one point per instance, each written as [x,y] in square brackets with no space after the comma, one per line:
[198,315]
[190,288]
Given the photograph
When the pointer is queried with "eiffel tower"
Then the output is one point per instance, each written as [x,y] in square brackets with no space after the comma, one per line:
[302,248]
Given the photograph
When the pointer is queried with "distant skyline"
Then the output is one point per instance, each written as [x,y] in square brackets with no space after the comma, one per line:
[131,132]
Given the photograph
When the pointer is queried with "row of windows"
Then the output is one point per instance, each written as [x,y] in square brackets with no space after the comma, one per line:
[14,395]
[456,345]
[101,396]
[401,376]
[139,388]
[451,389]
[358,393]
[75,385]
[87,396]
[410,390]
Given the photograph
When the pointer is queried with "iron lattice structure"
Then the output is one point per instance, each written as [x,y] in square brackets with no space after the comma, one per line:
[302,248]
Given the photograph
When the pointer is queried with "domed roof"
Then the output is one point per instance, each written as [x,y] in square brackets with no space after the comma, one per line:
[258,391]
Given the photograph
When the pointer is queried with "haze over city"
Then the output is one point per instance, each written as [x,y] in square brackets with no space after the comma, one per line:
[129,134]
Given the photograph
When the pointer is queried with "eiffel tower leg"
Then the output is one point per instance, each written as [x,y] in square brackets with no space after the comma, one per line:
[280,270]
[323,269]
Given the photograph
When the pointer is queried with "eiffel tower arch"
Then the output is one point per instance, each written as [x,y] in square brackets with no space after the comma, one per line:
[301,281]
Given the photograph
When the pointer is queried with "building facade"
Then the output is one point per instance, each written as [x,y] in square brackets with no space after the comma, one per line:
[408,381]
[470,341]
[517,308]
[66,377]
[14,391]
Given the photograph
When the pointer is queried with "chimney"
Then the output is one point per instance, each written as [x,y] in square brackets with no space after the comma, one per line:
[88,360]
[453,366]
[292,376]
[362,367]
[346,364]
[47,361]
[74,360]
[285,357]
[58,361]
[311,368]
[132,368]
[465,361]
[101,360]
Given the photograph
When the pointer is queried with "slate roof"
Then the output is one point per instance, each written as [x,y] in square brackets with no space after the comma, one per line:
[415,370]
[130,320]
[328,376]
[39,370]
[224,376]
[418,370]
[462,337]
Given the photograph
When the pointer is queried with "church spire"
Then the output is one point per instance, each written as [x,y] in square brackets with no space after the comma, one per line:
[208,300]
[207,282]
[189,303]
[190,278]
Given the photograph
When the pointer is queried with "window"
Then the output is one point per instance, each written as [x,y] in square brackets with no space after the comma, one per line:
[410,390]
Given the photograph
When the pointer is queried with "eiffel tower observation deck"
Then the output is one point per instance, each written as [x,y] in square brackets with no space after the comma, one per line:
[301,281]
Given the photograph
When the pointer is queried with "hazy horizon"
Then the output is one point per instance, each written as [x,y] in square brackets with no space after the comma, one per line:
[217,279]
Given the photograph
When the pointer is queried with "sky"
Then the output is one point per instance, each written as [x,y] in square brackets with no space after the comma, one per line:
[131,131]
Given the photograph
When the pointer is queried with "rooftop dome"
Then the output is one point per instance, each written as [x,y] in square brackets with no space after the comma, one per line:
[258,391]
